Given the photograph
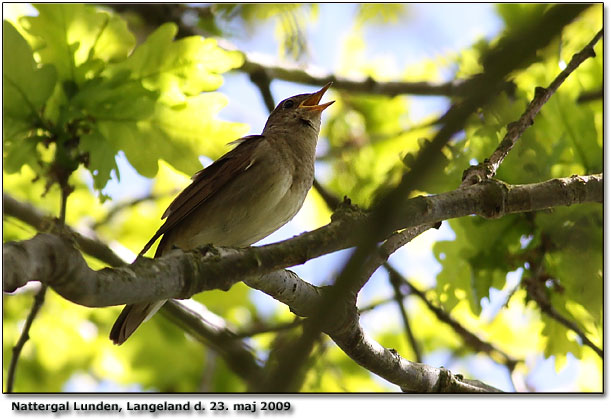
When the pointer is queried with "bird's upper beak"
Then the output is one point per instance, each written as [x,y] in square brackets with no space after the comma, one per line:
[312,101]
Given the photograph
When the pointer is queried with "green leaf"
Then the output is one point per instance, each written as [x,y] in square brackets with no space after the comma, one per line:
[517,16]
[79,39]
[101,158]
[117,98]
[193,129]
[479,257]
[558,344]
[26,87]
[178,134]
[454,280]
[568,122]
[575,235]
[177,68]
[19,153]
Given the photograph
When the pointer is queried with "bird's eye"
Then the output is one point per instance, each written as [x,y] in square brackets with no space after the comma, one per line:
[287,104]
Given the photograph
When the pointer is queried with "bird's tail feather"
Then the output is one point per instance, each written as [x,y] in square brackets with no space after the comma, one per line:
[132,316]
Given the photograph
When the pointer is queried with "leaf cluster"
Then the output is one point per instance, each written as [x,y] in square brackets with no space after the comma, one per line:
[372,141]
[80,91]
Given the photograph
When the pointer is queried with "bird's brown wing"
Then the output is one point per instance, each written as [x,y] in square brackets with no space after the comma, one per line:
[206,183]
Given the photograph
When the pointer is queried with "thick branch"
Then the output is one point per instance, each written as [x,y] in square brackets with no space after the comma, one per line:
[410,376]
[54,261]
[488,168]
[33,217]
[237,355]
[305,299]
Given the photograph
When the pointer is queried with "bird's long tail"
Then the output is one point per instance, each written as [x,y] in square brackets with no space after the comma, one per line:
[132,316]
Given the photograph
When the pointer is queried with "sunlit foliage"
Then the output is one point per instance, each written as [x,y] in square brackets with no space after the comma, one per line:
[85,91]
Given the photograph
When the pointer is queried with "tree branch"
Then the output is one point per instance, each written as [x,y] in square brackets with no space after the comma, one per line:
[331,200]
[348,335]
[535,287]
[488,168]
[33,217]
[259,329]
[467,336]
[237,355]
[54,261]
[39,299]
[512,52]
[262,81]
[120,206]
[317,77]
[255,65]
[409,334]
[591,95]
[383,252]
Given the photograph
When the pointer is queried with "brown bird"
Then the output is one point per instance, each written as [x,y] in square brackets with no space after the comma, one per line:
[242,197]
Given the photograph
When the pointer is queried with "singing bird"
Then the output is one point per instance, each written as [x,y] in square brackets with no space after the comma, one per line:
[242,197]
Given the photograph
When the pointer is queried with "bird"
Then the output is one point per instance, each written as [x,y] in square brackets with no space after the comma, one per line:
[242,197]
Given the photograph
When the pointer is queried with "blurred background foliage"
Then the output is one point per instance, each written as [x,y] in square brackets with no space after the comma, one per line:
[112,85]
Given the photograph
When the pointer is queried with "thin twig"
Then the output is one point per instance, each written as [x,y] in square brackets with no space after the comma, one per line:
[39,299]
[296,74]
[120,206]
[488,168]
[512,52]
[262,81]
[551,311]
[366,85]
[591,96]
[468,337]
[411,339]
[331,200]
[554,314]
[535,287]
[261,329]
[238,356]
[385,250]
[373,306]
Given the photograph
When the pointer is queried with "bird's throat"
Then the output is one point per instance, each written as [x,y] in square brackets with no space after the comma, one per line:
[308,123]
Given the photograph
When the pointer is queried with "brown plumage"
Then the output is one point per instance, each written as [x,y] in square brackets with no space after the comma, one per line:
[243,196]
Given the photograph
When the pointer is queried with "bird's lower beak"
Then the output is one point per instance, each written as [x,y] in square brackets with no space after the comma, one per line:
[314,99]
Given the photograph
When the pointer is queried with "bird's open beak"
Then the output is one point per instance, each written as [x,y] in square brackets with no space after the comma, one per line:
[312,101]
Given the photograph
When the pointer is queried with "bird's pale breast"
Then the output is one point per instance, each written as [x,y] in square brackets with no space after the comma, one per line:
[252,205]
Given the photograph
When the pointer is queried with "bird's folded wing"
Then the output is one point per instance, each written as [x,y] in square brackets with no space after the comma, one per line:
[206,183]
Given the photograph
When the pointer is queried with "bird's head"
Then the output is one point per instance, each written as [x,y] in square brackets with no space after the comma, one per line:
[299,111]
